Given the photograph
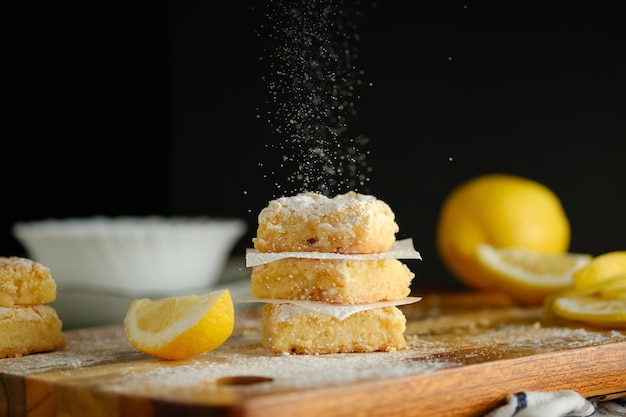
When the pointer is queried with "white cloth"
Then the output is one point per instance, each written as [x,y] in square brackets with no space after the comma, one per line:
[564,403]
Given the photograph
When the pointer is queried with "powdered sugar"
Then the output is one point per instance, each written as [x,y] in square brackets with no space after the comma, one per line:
[308,205]
[282,372]
[439,337]
[313,84]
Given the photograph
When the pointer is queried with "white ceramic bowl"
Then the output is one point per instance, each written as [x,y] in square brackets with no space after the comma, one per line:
[135,256]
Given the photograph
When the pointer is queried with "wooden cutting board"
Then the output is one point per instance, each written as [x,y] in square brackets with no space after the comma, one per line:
[466,353]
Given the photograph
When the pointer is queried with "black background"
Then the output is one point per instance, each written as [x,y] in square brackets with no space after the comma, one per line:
[151,108]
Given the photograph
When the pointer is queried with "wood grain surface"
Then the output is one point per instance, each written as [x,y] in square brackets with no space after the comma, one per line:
[466,353]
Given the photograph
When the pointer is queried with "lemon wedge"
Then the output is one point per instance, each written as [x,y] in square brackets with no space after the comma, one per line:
[601,268]
[612,288]
[529,276]
[181,326]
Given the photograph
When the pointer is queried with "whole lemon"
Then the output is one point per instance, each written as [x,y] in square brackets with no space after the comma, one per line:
[501,210]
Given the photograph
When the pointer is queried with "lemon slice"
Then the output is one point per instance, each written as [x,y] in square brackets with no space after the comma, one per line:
[182,326]
[601,268]
[603,303]
[526,275]
[591,309]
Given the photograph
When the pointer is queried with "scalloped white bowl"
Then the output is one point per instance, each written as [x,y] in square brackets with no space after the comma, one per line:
[136,256]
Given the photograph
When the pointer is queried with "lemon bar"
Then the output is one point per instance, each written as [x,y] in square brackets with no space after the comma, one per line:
[332,280]
[290,329]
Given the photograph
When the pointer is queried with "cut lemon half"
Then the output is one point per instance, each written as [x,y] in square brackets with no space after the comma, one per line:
[526,275]
[182,326]
[601,268]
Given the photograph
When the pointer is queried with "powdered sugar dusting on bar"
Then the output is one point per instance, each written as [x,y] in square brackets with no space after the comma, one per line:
[313,205]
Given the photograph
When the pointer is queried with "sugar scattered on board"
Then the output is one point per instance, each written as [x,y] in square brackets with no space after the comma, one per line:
[133,373]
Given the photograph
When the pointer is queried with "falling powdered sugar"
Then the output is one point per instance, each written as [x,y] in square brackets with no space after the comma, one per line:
[313,82]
